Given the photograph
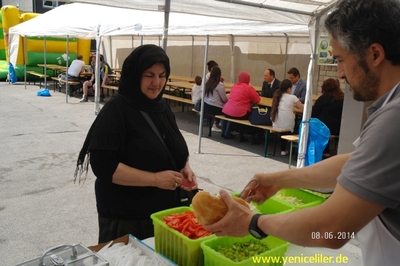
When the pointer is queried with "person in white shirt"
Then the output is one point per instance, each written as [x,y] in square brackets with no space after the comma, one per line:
[282,115]
[196,93]
[76,68]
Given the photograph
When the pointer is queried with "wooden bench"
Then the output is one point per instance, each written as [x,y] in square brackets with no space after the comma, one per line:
[295,139]
[268,130]
[39,75]
[178,99]
[69,84]
[109,87]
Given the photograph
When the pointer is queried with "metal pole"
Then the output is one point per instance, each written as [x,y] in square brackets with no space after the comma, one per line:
[67,88]
[97,73]
[167,8]
[203,85]
[44,59]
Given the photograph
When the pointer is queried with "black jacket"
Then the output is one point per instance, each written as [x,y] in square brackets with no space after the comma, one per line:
[269,91]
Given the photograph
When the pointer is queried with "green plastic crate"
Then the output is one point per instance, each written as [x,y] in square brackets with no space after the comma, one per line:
[174,245]
[308,199]
[277,251]
[273,206]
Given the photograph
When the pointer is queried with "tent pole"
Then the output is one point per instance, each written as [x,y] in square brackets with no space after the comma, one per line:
[191,66]
[44,59]
[231,39]
[167,8]
[305,126]
[111,53]
[24,51]
[97,73]
[286,55]
[203,85]
[67,88]
[271,7]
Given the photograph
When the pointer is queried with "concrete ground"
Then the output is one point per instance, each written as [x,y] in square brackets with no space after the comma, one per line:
[40,137]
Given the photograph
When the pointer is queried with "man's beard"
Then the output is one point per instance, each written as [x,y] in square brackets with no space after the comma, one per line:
[367,87]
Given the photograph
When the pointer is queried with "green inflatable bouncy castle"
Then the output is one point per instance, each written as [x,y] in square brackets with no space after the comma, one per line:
[35,47]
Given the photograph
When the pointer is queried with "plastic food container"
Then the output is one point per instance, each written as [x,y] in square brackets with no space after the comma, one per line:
[273,206]
[307,199]
[271,257]
[174,245]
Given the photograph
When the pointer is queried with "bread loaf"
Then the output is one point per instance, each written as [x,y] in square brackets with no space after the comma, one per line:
[210,209]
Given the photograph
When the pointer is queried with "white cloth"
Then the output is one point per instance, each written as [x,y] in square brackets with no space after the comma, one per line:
[378,245]
[286,118]
[75,68]
[196,93]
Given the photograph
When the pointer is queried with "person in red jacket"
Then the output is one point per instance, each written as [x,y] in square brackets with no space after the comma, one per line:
[238,106]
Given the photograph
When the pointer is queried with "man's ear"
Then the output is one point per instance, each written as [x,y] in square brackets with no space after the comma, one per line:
[378,53]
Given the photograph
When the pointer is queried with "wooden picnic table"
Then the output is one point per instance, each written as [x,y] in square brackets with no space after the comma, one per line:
[181,78]
[181,86]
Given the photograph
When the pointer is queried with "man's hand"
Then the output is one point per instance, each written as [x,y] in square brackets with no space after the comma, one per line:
[237,220]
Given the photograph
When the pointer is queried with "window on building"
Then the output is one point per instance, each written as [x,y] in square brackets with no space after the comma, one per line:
[50,4]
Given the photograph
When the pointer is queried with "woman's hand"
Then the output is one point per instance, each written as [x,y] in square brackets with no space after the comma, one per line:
[189,181]
[236,221]
[168,179]
[260,188]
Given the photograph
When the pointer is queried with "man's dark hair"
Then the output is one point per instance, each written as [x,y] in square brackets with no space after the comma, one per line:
[356,24]
[271,72]
[294,71]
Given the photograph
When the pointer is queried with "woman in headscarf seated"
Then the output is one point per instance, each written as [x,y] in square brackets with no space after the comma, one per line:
[239,106]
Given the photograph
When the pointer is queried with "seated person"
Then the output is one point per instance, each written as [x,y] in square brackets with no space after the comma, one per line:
[241,98]
[89,85]
[196,93]
[215,97]
[74,70]
[282,115]
[270,84]
[328,108]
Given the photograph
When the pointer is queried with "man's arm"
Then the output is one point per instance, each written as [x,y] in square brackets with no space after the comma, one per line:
[331,224]
[303,93]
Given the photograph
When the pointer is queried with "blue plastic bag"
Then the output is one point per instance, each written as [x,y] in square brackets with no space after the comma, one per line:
[11,74]
[318,138]
[44,92]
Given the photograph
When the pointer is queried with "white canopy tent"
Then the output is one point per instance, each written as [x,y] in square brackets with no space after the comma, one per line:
[289,17]
[288,12]
[88,21]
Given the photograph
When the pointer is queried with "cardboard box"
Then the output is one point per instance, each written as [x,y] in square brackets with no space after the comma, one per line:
[148,251]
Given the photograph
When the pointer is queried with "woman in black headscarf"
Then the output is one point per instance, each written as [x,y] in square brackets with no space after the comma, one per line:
[136,175]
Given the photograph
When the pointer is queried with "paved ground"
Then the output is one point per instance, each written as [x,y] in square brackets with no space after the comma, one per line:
[40,137]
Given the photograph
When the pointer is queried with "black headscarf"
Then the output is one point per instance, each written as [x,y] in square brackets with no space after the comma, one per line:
[129,100]
[135,64]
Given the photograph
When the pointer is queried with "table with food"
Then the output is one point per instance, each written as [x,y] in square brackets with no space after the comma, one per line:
[181,239]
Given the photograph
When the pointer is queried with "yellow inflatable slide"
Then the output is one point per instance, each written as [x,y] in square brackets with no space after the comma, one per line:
[55,47]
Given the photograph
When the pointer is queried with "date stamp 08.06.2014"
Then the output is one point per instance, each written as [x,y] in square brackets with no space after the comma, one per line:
[333,235]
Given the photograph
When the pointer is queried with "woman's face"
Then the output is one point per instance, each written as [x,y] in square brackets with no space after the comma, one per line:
[153,80]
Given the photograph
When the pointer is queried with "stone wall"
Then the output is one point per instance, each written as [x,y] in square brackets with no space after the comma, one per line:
[328,71]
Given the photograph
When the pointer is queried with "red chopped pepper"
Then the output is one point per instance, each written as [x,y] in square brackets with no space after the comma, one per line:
[186,223]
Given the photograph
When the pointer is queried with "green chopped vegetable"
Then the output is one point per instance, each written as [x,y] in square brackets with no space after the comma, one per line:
[239,251]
